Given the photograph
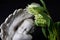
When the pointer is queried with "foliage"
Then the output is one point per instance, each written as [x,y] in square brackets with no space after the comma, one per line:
[43,19]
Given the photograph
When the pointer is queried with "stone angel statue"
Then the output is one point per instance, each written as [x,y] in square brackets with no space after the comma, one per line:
[17,26]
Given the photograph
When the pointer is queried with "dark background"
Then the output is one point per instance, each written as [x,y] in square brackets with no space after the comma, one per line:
[8,6]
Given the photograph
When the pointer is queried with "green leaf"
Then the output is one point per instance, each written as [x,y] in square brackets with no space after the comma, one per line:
[54,31]
[44,32]
[57,26]
[47,18]
[43,3]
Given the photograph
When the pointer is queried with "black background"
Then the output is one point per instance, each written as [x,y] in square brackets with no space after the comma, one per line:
[8,6]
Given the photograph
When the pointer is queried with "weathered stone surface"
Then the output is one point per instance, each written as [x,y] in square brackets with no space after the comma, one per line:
[17,26]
